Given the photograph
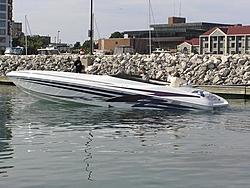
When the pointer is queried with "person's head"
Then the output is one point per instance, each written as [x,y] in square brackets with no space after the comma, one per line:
[143,70]
[176,74]
[78,58]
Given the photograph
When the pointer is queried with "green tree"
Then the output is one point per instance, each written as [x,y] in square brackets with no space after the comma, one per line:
[86,46]
[117,34]
[34,42]
[17,41]
[77,45]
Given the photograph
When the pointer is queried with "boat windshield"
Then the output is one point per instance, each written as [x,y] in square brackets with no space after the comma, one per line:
[48,52]
[138,78]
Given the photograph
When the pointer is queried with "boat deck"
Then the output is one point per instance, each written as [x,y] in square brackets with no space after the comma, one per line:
[5,81]
[228,91]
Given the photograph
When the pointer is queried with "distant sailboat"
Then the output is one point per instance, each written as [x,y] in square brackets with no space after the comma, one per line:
[156,50]
[27,26]
[19,50]
[150,12]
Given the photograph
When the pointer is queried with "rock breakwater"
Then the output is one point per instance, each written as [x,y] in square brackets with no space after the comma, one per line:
[197,69]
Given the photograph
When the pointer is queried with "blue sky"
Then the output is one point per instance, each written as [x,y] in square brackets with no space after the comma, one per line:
[71,17]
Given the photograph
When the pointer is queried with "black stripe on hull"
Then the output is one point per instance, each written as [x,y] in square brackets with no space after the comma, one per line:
[77,88]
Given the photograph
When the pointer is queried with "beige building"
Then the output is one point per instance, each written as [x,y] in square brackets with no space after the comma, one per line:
[226,40]
[189,46]
[109,45]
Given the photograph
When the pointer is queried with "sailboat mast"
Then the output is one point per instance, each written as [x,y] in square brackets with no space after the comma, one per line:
[149,20]
[27,26]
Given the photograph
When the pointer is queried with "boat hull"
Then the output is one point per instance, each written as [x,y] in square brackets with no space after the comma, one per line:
[112,91]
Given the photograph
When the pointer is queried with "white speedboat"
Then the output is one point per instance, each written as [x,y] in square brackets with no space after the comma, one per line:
[113,91]
[13,51]
[50,50]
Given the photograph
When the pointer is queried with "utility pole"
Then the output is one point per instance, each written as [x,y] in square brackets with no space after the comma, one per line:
[26,37]
[58,38]
[150,34]
[91,31]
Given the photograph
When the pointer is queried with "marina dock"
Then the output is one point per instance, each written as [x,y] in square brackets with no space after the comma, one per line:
[227,91]
[5,81]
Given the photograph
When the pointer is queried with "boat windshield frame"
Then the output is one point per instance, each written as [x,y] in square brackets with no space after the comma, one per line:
[138,78]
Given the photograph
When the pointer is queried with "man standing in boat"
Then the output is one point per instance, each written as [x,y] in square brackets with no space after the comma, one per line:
[144,75]
[176,81]
[78,65]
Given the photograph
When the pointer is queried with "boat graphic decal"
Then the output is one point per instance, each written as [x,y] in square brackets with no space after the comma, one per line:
[129,98]
[73,78]
[160,104]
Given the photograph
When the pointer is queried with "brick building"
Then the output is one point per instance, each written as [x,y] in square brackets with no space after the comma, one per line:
[109,45]
[169,36]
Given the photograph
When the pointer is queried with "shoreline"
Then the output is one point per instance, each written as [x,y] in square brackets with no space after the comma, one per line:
[204,69]
[219,74]
[5,81]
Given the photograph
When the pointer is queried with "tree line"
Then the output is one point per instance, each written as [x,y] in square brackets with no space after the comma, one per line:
[35,42]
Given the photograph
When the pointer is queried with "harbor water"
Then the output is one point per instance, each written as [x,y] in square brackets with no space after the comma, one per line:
[51,145]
